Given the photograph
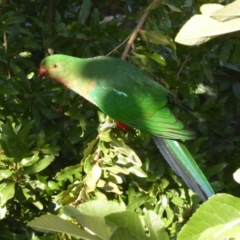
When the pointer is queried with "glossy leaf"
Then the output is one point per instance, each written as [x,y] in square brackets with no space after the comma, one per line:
[95,224]
[216,221]
[38,166]
[84,12]
[5,174]
[25,162]
[7,191]
[51,223]
[129,219]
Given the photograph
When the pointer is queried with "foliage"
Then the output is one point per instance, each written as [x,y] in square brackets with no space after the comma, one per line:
[52,151]
[215,20]
[216,222]
[103,220]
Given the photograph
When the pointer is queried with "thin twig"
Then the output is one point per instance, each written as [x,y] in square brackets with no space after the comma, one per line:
[118,46]
[182,65]
[135,32]
[97,154]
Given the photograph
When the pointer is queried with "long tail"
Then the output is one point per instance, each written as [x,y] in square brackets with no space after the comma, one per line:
[182,162]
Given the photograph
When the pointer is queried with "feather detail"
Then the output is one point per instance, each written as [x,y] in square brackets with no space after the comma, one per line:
[182,162]
[122,125]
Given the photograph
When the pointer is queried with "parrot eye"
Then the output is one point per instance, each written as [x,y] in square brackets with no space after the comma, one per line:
[54,66]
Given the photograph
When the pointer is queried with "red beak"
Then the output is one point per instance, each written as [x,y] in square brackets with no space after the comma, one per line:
[42,71]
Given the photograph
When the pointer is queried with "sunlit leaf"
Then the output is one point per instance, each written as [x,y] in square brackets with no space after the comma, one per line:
[38,166]
[236,176]
[200,29]
[5,173]
[51,223]
[7,191]
[216,222]
[100,208]
[25,162]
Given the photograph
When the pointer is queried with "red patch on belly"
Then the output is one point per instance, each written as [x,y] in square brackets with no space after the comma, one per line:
[122,125]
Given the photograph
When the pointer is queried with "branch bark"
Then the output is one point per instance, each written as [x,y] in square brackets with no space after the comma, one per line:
[136,30]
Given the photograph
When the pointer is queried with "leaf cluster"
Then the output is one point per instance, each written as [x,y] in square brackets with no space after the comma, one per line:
[52,150]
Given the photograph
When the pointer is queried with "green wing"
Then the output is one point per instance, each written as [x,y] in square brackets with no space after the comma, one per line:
[130,96]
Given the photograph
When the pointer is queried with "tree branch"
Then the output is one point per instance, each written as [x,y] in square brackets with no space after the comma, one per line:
[136,30]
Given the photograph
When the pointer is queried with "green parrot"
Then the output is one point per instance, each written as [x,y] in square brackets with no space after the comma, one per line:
[128,95]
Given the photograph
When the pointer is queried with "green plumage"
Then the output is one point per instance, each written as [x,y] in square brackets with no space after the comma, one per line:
[125,93]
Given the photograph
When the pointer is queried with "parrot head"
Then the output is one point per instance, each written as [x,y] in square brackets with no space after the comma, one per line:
[55,67]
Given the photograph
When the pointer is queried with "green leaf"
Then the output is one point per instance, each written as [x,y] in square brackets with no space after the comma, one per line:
[68,171]
[136,170]
[142,61]
[88,150]
[53,186]
[50,223]
[177,201]
[93,177]
[38,166]
[87,167]
[95,224]
[121,233]
[105,136]
[100,208]
[130,220]
[172,7]
[94,20]
[109,186]
[200,29]
[156,37]
[25,162]
[7,90]
[208,71]
[117,169]
[84,12]
[236,89]
[28,194]
[123,149]
[11,143]
[228,12]
[209,8]
[215,169]
[155,226]
[3,211]
[24,131]
[51,150]
[7,191]
[5,173]
[25,54]
[218,218]
[158,58]
[136,202]
[209,103]
[40,140]
[225,52]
